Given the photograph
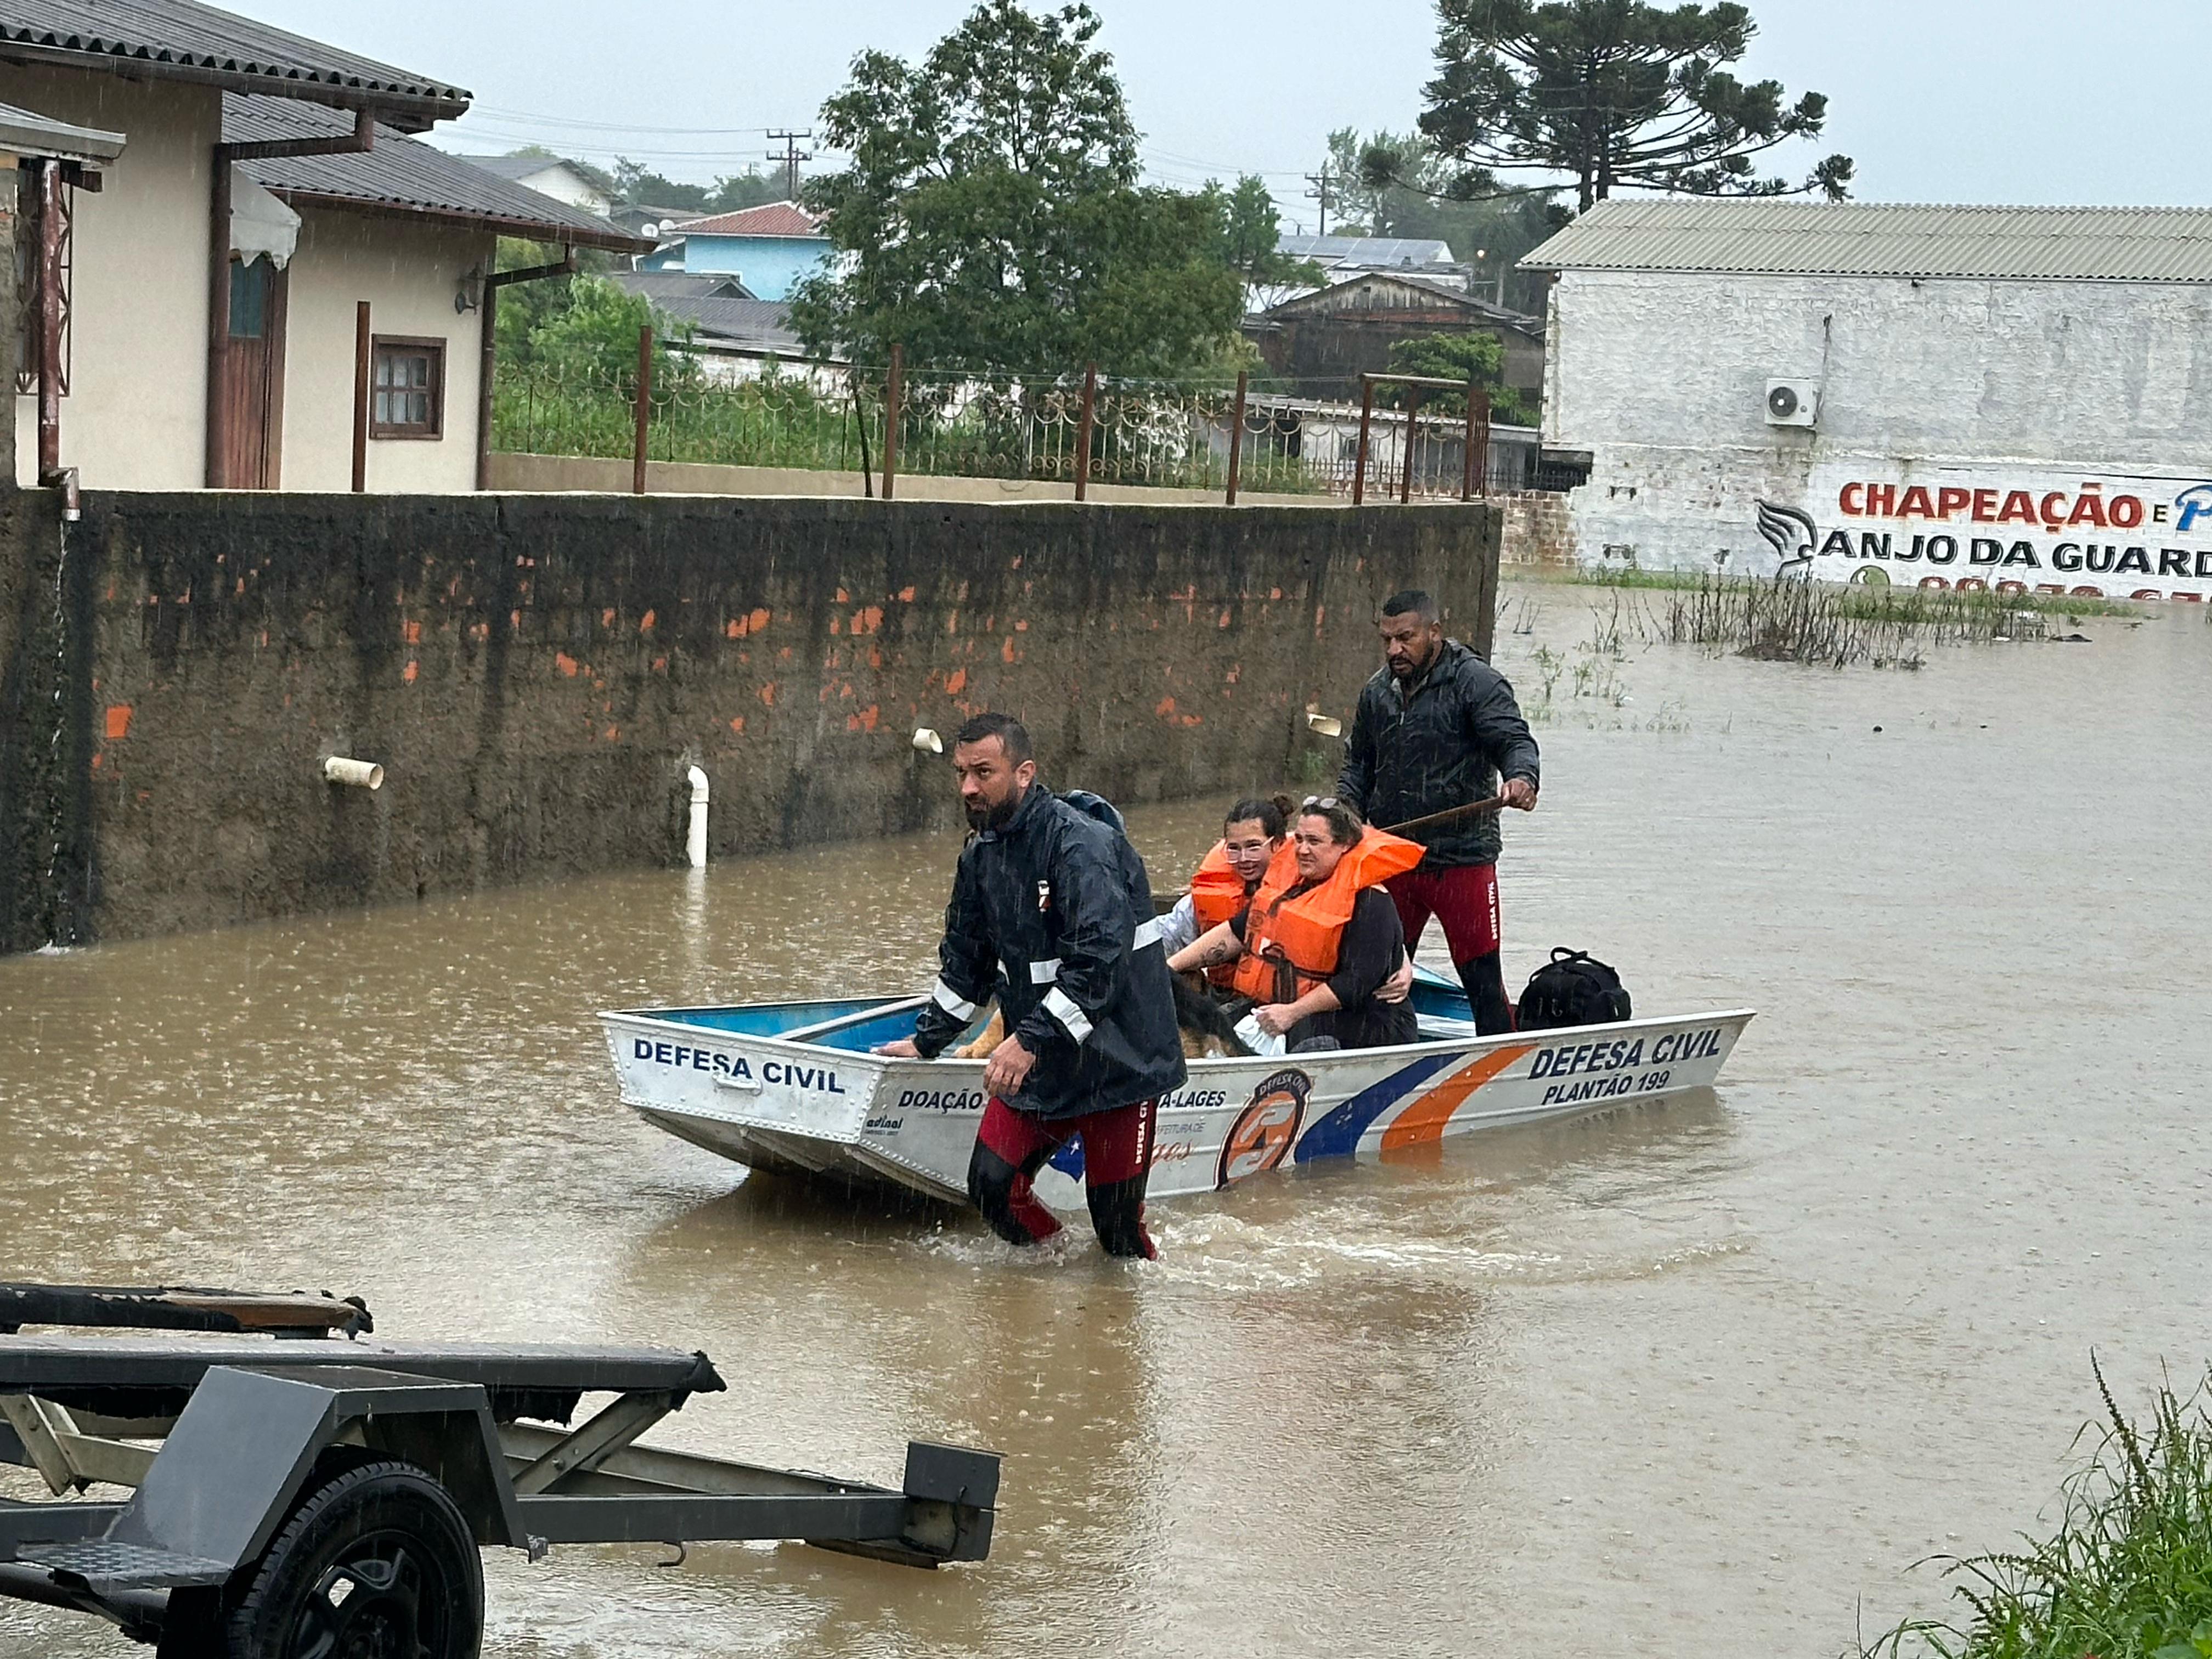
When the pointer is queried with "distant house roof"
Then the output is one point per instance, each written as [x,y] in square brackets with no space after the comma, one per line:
[26,132]
[746,325]
[1368,292]
[770,219]
[184,40]
[1368,253]
[401,176]
[515,168]
[662,286]
[1865,239]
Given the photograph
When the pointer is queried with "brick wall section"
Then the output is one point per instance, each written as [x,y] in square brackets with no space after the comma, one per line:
[536,673]
[1537,530]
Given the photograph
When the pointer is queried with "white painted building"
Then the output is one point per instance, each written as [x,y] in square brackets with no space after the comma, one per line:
[1934,395]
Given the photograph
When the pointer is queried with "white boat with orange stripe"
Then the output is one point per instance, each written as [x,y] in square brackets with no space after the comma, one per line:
[794,1086]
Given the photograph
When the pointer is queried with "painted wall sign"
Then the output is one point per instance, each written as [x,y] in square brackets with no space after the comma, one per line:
[2012,530]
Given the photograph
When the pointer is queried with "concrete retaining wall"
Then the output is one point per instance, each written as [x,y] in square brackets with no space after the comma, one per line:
[536,673]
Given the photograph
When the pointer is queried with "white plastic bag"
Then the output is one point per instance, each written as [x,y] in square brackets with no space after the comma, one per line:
[1259,1041]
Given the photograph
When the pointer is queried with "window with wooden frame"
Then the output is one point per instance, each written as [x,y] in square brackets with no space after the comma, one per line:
[407,388]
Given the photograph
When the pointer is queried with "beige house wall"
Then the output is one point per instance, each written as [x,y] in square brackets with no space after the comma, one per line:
[409,272]
[136,416]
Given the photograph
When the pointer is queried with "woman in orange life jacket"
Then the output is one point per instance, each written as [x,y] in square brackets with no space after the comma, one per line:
[1222,887]
[1320,936]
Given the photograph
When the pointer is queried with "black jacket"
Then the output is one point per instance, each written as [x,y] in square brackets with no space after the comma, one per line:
[1053,914]
[1444,744]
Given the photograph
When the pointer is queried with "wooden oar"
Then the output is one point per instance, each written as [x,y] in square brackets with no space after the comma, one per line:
[1450,812]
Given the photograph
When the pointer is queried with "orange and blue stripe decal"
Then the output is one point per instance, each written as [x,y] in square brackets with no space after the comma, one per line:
[1422,1123]
[1338,1133]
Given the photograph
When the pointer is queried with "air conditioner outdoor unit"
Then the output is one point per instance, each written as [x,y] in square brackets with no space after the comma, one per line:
[1793,403]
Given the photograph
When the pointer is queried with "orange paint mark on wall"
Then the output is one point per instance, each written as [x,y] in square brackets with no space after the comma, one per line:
[869,620]
[952,622]
[768,694]
[757,621]
[1022,627]
[836,624]
[612,734]
[956,683]
[1274,592]
[784,655]
[1236,672]
[738,725]
[607,617]
[96,759]
[661,664]
[514,619]
[906,596]
[845,690]
[1010,654]
[1163,707]
[1194,719]
[875,657]
[1224,623]
[411,632]
[119,721]
[645,622]
[736,630]
[864,721]
[409,672]
[567,664]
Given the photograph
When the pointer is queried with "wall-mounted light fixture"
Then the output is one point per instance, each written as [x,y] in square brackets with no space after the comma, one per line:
[468,295]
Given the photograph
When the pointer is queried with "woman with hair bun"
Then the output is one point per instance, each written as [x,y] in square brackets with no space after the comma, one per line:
[1319,939]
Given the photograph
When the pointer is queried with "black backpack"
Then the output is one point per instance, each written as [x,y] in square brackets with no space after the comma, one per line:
[1573,988]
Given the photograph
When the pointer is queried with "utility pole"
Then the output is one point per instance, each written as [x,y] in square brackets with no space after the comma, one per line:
[790,155]
[1323,183]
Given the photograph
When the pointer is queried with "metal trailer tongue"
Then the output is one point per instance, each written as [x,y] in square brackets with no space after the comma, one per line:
[314,1492]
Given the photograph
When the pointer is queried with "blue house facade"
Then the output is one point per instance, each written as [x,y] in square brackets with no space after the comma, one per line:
[768,248]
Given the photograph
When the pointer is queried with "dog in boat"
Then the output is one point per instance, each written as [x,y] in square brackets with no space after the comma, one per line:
[1208,1031]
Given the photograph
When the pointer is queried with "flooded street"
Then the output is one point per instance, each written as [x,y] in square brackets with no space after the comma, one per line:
[1693,1379]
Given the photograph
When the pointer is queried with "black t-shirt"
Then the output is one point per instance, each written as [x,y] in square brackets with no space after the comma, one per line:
[1371,948]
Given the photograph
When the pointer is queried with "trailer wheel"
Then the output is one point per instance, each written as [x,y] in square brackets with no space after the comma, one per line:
[376,1563]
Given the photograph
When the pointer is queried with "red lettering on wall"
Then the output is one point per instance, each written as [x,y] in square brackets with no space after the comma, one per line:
[1949,500]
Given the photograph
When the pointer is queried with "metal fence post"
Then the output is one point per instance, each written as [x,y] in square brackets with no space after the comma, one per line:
[644,407]
[894,395]
[1480,400]
[1083,429]
[361,394]
[1366,419]
[1237,436]
[1413,410]
[1467,446]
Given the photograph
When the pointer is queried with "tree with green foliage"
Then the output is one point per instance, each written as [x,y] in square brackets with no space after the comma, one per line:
[1613,93]
[1480,358]
[991,220]
[1397,184]
[584,329]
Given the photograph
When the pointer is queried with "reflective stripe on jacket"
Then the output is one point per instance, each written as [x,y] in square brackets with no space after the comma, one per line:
[1290,938]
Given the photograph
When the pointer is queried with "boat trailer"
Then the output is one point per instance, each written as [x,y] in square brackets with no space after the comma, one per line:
[298,1489]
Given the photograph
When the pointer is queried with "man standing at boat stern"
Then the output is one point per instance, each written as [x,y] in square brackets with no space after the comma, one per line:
[1052,913]
[1438,728]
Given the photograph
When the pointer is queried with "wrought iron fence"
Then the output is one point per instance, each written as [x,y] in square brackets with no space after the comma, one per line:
[1162,434]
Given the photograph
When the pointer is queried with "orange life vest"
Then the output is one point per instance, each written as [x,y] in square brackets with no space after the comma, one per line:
[1291,940]
[1218,895]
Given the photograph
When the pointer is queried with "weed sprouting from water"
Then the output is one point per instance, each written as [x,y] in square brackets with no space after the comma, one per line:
[1820,622]
[2127,1575]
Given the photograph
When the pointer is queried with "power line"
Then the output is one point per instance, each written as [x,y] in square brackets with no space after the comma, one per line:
[1323,182]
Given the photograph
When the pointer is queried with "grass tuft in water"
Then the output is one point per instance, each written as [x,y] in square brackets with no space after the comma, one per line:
[2128,1574]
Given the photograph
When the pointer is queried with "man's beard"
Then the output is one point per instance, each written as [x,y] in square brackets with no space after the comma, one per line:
[992,818]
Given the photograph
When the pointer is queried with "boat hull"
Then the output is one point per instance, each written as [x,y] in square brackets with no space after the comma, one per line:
[813,1099]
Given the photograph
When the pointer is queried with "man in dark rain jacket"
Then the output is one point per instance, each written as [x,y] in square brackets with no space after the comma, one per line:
[1052,913]
[1438,728]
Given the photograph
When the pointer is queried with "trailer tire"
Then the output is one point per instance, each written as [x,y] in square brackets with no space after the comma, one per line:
[376,1560]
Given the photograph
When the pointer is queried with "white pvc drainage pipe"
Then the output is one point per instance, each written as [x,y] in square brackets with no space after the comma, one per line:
[695,841]
[355,773]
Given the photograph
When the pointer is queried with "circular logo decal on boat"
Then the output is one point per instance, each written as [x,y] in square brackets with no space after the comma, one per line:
[1267,1128]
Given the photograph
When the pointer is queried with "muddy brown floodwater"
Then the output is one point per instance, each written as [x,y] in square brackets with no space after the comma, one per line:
[1696,1379]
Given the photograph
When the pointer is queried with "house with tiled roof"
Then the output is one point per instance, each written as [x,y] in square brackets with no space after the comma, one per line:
[769,248]
[269,281]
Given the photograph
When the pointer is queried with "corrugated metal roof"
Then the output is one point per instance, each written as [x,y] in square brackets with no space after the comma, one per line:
[187,40]
[26,132]
[1371,251]
[770,219]
[754,325]
[401,175]
[1862,239]
[1330,301]
[662,285]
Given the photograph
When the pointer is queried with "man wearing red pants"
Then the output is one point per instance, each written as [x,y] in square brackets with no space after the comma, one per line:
[1052,913]
[1438,728]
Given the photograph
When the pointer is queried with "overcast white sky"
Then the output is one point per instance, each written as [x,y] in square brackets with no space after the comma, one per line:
[1951,100]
